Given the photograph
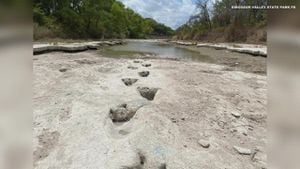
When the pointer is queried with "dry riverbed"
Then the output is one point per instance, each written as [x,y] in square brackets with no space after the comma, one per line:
[103,113]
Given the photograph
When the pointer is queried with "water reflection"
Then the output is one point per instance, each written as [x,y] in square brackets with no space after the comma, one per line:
[160,49]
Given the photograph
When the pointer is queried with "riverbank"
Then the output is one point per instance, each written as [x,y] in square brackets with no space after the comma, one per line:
[201,116]
[40,48]
[233,61]
[252,49]
[71,46]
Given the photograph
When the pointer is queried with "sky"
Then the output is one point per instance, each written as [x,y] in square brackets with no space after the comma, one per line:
[172,13]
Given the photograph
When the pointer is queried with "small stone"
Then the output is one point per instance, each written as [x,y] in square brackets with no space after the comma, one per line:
[144,73]
[236,114]
[146,64]
[242,151]
[132,67]
[63,69]
[129,81]
[204,143]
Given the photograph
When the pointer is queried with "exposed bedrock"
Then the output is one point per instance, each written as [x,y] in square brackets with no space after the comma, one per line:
[129,81]
[124,112]
[144,73]
[148,93]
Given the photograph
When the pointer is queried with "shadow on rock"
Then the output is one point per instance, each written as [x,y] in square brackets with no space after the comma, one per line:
[146,64]
[132,67]
[141,162]
[125,111]
[148,93]
[129,81]
[144,73]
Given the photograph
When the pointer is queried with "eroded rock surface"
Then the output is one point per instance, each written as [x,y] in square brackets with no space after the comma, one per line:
[242,151]
[63,70]
[140,163]
[137,61]
[71,47]
[144,73]
[124,112]
[192,105]
[85,61]
[47,141]
[146,64]
[148,93]
[204,143]
[132,67]
[129,81]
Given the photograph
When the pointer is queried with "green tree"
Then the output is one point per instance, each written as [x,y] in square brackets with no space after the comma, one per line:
[92,19]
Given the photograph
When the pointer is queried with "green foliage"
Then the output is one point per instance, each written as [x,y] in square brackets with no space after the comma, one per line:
[233,23]
[93,19]
[42,31]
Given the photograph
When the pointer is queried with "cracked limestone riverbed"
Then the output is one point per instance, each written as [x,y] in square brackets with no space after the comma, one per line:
[195,104]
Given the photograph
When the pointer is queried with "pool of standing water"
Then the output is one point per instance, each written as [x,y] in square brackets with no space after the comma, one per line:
[134,49]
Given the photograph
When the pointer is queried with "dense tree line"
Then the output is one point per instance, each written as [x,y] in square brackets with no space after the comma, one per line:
[92,19]
[220,21]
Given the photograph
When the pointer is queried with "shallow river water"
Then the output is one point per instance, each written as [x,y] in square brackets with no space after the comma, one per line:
[162,50]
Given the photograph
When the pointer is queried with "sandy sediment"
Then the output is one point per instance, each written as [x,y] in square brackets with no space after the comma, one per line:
[201,115]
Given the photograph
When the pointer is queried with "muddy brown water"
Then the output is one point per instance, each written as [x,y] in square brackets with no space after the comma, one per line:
[156,49]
